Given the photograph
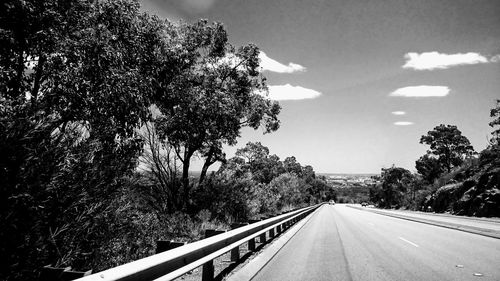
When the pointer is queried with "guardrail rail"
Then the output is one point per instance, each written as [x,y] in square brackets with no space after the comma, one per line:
[173,263]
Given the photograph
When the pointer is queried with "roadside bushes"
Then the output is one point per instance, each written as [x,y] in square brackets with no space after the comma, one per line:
[226,198]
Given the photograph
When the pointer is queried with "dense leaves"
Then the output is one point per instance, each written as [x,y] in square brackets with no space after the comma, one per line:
[395,182]
[77,78]
[218,92]
[447,145]
[495,123]
[277,188]
[429,167]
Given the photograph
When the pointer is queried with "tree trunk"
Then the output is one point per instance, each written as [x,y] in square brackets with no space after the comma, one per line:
[208,163]
[185,174]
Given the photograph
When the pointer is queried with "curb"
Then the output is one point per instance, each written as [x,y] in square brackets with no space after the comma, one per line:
[470,229]
[251,269]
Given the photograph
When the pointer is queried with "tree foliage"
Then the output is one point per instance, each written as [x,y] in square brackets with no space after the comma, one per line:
[495,123]
[283,184]
[76,80]
[255,159]
[395,182]
[217,94]
[448,146]
[429,167]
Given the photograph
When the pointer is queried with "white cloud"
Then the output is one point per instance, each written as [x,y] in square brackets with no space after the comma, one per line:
[398,112]
[421,91]
[403,123]
[289,92]
[270,64]
[435,60]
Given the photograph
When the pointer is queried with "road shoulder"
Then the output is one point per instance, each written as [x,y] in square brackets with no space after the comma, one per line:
[253,267]
[489,232]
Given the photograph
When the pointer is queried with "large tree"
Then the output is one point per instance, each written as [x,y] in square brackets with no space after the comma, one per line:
[221,91]
[448,146]
[76,79]
[395,183]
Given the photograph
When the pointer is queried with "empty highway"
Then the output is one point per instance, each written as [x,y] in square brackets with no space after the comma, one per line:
[341,243]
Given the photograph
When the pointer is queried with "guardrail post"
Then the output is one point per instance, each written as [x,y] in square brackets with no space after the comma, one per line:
[278,229]
[251,242]
[235,253]
[162,245]
[262,238]
[208,267]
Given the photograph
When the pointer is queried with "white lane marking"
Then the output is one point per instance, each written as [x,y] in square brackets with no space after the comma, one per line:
[409,242]
[371,224]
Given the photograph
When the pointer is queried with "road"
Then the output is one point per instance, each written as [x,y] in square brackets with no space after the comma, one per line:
[340,243]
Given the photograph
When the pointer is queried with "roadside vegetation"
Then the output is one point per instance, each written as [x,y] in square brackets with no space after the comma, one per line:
[102,109]
[451,176]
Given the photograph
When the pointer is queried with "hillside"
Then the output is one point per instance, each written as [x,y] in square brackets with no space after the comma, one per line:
[471,190]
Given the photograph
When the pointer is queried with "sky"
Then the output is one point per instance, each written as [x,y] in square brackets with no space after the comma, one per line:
[361,81]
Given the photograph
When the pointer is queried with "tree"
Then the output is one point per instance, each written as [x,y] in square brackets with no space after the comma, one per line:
[429,167]
[448,145]
[495,113]
[253,152]
[76,80]
[292,166]
[218,93]
[287,187]
[259,163]
[395,183]
[160,166]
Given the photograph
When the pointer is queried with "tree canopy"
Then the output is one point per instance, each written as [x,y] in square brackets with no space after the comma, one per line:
[76,80]
[219,92]
[429,167]
[447,145]
[395,182]
[495,124]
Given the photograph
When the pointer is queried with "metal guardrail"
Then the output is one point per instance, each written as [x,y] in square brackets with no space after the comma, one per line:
[179,261]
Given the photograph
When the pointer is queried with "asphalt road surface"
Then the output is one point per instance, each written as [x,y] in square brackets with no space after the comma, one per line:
[341,243]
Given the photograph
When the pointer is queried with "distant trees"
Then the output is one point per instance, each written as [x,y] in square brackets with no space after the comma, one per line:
[449,178]
[255,158]
[447,145]
[395,183]
[280,184]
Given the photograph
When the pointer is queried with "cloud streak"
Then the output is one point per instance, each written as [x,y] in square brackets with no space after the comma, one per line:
[398,113]
[422,91]
[289,92]
[403,123]
[435,60]
[270,64]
